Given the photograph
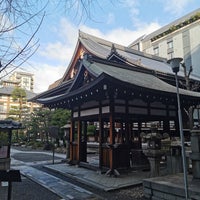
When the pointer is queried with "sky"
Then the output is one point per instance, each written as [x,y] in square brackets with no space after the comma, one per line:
[119,21]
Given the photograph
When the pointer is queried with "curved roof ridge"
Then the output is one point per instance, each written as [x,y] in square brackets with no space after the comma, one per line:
[102,41]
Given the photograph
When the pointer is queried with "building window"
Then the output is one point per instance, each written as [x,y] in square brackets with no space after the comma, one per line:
[170,44]
[156,51]
[1,108]
[170,55]
[196,116]
[25,81]
[2,117]
[170,49]
[136,47]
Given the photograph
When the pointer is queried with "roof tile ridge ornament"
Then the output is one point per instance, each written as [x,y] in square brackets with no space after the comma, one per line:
[113,49]
[88,57]
[81,34]
[113,52]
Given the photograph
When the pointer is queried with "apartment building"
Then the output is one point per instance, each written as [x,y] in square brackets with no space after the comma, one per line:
[7,102]
[25,80]
[177,39]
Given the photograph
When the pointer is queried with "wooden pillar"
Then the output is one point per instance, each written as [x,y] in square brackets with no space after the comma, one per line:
[112,170]
[84,142]
[79,130]
[111,142]
[138,135]
[71,138]
[111,130]
[101,136]
[131,130]
[166,123]
[176,123]
[85,131]
[122,132]
[166,126]
[127,132]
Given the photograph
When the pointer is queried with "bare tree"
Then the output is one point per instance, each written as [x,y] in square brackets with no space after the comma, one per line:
[19,23]
[82,9]
[192,86]
[20,20]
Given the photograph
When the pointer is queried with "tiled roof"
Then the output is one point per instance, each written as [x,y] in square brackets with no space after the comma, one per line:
[9,124]
[102,48]
[7,90]
[138,79]
[143,69]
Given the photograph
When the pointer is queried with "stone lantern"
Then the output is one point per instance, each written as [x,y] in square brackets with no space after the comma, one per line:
[6,127]
[195,155]
[174,158]
[67,137]
[154,151]
[153,141]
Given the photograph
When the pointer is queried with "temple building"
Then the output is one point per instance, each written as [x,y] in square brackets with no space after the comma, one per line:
[121,90]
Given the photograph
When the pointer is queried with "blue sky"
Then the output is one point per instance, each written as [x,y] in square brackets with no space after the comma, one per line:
[120,21]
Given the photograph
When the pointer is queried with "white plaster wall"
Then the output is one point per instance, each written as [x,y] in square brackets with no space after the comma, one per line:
[178,45]
[195,49]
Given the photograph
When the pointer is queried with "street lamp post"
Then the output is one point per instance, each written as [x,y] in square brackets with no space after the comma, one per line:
[175,63]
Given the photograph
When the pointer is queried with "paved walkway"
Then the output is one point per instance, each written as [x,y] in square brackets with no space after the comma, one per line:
[98,180]
[70,191]
[62,188]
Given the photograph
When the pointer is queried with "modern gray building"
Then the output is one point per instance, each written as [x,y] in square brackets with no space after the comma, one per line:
[7,102]
[177,39]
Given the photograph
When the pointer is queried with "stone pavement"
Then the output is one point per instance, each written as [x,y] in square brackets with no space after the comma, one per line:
[171,187]
[87,176]
[97,180]
[26,190]
[62,188]
[165,187]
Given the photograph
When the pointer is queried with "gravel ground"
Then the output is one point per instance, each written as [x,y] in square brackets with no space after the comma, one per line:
[133,193]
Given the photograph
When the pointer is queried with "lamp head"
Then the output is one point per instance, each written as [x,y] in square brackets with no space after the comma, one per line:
[175,63]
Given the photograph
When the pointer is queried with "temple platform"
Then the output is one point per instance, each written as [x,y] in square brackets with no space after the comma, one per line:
[171,187]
